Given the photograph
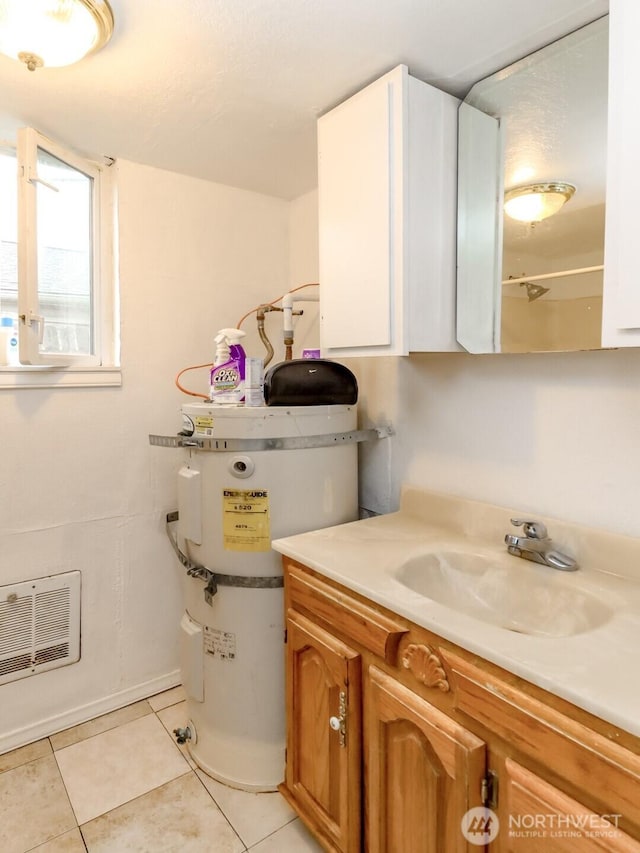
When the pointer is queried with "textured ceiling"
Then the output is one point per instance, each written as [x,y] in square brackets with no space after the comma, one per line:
[229,90]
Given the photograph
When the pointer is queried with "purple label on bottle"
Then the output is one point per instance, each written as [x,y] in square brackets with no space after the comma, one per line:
[236,353]
[225,378]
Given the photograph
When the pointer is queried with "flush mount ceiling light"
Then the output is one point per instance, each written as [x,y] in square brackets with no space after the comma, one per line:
[535,202]
[52,33]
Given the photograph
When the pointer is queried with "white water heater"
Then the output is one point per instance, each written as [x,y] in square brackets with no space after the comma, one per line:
[249,475]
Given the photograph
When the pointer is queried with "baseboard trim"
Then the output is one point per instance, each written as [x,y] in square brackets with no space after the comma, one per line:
[82,713]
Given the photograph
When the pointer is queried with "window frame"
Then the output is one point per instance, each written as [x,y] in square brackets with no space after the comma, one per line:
[48,369]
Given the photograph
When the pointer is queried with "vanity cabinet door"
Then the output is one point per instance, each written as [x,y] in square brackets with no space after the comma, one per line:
[621,302]
[535,815]
[324,734]
[423,772]
[387,206]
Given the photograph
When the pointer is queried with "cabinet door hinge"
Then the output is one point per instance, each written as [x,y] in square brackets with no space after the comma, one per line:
[489,790]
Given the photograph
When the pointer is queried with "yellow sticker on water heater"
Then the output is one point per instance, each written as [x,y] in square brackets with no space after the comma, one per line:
[245,520]
[203,425]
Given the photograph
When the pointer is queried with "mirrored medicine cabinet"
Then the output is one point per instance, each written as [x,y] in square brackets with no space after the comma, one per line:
[534,286]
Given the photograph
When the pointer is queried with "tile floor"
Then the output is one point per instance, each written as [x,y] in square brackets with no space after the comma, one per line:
[89,789]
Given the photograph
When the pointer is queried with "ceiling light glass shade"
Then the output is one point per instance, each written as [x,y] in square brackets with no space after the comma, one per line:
[52,33]
[536,202]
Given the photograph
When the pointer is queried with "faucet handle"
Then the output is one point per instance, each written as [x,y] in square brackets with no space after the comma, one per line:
[532,529]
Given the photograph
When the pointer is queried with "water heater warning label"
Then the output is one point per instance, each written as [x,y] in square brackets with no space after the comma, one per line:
[219,644]
[245,520]
[203,425]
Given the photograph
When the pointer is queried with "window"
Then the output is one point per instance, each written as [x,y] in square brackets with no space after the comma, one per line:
[56,264]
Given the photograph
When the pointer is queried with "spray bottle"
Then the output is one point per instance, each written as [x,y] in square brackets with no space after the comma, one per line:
[228,372]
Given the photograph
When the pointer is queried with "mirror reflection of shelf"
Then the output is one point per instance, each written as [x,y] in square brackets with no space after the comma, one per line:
[560,274]
[570,284]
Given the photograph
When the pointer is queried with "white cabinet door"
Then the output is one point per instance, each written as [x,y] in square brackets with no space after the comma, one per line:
[621,303]
[356,192]
[387,191]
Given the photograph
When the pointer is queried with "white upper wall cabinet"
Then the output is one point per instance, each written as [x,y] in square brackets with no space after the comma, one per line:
[621,303]
[387,216]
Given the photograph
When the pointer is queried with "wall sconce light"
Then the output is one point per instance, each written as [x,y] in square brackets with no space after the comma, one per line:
[535,202]
[52,33]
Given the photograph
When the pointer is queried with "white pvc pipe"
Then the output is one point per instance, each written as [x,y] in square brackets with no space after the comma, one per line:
[287,309]
[287,315]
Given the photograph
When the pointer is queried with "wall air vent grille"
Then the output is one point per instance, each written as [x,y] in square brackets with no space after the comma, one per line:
[39,625]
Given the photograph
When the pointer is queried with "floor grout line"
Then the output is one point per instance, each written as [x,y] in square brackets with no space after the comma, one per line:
[219,807]
[64,785]
[133,799]
[189,770]
[291,820]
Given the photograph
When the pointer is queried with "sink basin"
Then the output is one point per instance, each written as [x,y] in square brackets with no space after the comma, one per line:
[516,595]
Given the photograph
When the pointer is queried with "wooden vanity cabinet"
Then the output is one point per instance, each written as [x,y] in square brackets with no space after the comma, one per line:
[423,771]
[348,714]
[394,734]
[324,734]
[566,780]
[546,818]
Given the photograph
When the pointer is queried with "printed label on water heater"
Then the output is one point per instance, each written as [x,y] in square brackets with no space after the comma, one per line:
[245,520]
[220,644]
[204,425]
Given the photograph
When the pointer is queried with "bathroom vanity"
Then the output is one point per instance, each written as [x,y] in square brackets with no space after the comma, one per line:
[430,673]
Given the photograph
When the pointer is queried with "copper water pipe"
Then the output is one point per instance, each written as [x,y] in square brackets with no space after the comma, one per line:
[260,314]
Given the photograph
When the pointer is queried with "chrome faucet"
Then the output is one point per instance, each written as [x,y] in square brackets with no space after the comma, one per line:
[535,545]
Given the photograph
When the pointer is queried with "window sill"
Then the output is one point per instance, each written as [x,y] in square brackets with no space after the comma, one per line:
[28,376]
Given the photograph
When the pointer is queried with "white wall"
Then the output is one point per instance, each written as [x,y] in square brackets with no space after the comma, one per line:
[555,434]
[82,489]
[303,268]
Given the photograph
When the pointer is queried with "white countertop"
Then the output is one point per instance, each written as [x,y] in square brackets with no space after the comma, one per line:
[596,669]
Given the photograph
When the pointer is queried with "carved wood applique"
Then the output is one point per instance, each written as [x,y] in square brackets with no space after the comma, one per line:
[426,666]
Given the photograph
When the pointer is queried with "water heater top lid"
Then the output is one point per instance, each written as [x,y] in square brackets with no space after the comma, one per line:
[214,421]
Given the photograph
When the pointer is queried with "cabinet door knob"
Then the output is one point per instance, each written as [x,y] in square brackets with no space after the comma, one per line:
[339,723]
